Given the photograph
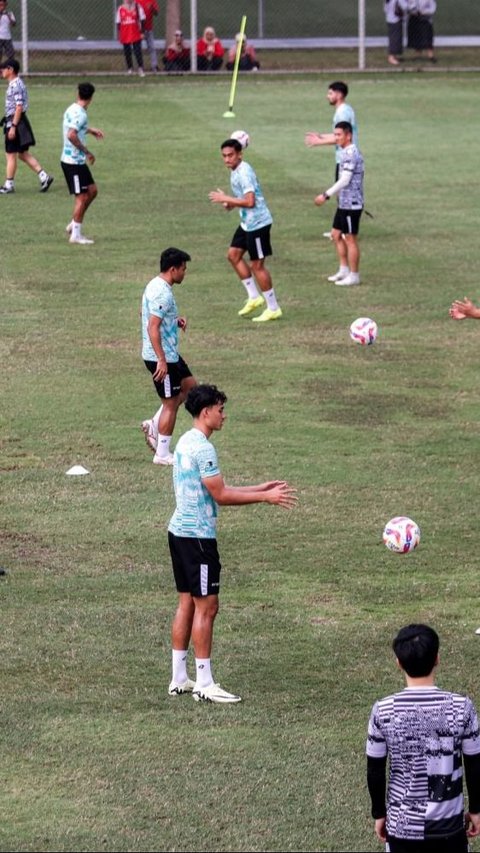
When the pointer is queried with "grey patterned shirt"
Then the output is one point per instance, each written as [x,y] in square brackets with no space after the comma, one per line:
[16,94]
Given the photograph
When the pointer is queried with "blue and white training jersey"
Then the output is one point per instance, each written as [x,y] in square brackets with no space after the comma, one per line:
[351,196]
[244,180]
[345,112]
[16,95]
[196,512]
[159,300]
[74,118]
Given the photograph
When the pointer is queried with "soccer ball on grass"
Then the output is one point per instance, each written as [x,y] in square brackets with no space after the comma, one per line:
[401,534]
[363,331]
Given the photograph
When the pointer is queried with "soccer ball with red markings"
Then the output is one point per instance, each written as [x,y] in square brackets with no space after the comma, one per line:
[242,137]
[401,534]
[363,331]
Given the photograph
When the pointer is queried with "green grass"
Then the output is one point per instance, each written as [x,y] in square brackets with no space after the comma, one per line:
[95,756]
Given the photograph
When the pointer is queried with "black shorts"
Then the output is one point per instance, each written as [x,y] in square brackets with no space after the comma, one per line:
[196,565]
[347,221]
[172,384]
[78,177]
[445,844]
[256,243]
[24,137]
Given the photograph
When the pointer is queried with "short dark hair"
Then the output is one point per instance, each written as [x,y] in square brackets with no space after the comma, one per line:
[201,397]
[339,86]
[86,91]
[344,125]
[173,258]
[13,64]
[416,647]
[231,143]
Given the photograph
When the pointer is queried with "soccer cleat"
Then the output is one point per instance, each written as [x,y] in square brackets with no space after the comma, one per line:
[348,280]
[44,185]
[336,276]
[477,631]
[4,190]
[141,72]
[69,228]
[176,688]
[150,434]
[251,305]
[268,314]
[163,460]
[214,693]
[328,235]
[84,241]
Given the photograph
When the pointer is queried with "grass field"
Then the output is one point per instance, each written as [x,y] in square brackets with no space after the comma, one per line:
[95,755]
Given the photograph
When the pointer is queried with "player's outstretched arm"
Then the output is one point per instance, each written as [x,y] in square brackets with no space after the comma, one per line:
[275,492]
[312,139]
[96,132]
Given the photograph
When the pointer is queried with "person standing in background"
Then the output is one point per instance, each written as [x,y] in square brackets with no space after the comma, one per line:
[130,20]
[7,21]
[420,27]
[394,13]
[150,7]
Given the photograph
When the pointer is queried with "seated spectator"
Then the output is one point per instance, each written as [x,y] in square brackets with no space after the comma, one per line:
[177,54]
[209,51]
[248,59]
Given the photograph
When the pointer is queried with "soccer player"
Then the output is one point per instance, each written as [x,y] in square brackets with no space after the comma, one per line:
[252,235]
[336,94]
[199,490]
[171,375]
[18,131]
[346,222]
[75,156]
[426,733]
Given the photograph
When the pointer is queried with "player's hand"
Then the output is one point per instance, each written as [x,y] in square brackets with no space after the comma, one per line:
[472,823]
[380,829]
[312,139]
[182,323]
[161,371]
[91,157]
[218,197]
[283,495]
[97,133]
[320,199]
[460,309]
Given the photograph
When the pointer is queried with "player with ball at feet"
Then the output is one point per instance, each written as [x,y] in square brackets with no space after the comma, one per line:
[253,234]
[199,490]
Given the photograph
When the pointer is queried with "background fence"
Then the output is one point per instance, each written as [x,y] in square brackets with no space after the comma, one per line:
[62,26]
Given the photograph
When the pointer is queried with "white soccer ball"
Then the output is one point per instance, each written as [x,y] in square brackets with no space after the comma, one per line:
[363,331]
[242,137]
[401,534]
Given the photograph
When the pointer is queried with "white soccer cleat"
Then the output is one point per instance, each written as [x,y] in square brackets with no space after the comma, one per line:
[163,460]
[336,276]
[69,228]
[141,72]
[176,688]
[328,235]
[214,693]
[349,280]
[82,241]
[150,433]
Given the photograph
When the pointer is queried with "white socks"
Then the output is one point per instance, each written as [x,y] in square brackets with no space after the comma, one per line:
[271,299]
[252,290]
[179,666]
[163,445]
[204,672]
[76,229]
[42,175]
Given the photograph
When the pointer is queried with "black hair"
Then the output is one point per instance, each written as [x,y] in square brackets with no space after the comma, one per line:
[344,125]
[86,91]
[231,143]
[339,86]
[201,396]
[416,647]
[173,258]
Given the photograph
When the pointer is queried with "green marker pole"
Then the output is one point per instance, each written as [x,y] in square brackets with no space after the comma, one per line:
[229,113]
